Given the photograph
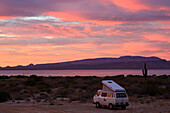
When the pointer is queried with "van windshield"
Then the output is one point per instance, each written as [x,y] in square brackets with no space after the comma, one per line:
[98,94]
[120,95]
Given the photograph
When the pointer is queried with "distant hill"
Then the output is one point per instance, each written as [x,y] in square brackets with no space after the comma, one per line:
[123,62]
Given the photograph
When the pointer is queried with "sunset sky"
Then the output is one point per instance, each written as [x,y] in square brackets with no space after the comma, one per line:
[49,31]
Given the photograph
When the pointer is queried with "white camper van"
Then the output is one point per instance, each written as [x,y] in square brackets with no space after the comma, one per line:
[112,95]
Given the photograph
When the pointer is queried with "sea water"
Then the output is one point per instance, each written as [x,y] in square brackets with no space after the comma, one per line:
[99,73]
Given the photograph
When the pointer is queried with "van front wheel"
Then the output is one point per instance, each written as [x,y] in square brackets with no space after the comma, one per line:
[98,105]
[110,106]
[123,107]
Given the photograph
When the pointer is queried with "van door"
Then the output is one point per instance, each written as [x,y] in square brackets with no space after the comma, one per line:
[110,99]
[103,98]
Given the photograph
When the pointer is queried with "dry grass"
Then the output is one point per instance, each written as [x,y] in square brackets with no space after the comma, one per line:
[81,88]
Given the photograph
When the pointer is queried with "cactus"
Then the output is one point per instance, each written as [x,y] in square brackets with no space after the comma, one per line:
[145,71]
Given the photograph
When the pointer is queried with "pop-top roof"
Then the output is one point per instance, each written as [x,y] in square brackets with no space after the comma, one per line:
[113,85]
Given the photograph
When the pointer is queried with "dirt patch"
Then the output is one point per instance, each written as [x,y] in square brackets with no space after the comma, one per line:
[157,106]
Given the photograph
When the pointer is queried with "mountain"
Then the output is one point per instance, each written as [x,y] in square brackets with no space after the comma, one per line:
[123,62]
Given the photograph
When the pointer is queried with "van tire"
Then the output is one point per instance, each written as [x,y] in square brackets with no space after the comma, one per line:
[123,107]
[111,106]
[98,105]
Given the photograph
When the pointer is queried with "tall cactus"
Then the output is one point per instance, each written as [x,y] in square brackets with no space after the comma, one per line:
[145,71]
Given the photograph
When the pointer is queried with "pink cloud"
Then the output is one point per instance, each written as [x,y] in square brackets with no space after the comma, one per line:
[101,10]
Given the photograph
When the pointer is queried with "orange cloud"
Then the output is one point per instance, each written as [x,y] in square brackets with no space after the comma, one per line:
[157,37]
[78,17]
[132,5]
[5,17]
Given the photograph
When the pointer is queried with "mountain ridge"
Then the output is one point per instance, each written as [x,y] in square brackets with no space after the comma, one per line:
[123,62]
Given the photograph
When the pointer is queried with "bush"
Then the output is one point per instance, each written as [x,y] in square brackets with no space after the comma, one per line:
[32,80]
[151,89]
[19,76]
[62,92]
[43,96]
[4,77]
[4,97]
[43,86]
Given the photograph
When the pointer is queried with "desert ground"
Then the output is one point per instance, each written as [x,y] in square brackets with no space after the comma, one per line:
[156,106]
[34,94]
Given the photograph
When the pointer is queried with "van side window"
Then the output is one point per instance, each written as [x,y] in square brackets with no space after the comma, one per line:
[104,94]
[110,94]
[121,95]
[98,94]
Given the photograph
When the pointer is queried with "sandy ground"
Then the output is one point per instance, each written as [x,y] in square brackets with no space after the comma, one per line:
[157,106]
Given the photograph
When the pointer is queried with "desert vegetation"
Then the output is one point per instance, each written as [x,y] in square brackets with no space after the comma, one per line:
[79,88]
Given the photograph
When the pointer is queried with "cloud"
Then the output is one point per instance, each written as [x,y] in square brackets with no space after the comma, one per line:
[148,52]
[77,29]
[37,27]
[156,3]
[41,41]
[94,10]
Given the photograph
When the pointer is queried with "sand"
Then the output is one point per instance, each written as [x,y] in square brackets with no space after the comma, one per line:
[157,106]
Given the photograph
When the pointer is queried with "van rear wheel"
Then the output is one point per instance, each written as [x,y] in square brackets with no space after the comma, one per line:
[123,107]
[111,106]
[98,105]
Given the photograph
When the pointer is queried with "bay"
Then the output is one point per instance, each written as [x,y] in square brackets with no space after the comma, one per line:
[99,73]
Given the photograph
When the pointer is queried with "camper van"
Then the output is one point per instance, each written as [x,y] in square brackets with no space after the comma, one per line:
[112,95]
